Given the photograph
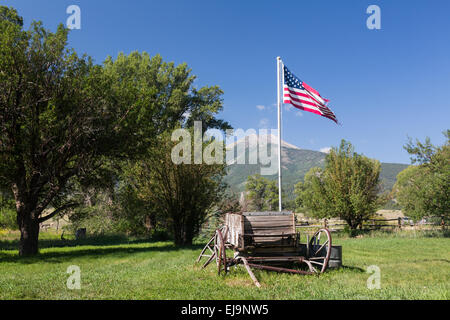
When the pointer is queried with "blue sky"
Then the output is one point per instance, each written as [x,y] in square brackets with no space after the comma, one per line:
[384,85]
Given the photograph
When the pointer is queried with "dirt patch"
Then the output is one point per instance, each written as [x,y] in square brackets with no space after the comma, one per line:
[239,283]
[391,214]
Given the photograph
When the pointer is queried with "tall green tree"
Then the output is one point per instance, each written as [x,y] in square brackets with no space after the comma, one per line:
[262,193]
[348,187]
[424,189]
[62,117]
[49,119]
[181,194]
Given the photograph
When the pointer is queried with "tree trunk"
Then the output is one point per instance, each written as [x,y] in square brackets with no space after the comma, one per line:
[182,234]
[178,234]
[187,241]
[353,225]
[29,234]
[188,231]
[27,218]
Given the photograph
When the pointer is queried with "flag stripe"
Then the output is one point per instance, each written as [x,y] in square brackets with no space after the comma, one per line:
[307,106]
[291,97]
[303,107]
[312,110]
[302,93]
[307,93]
[313,92]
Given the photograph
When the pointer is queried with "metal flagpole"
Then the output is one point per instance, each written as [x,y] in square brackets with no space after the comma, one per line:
[279,131]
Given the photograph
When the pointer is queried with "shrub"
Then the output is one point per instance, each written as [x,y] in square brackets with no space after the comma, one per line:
[8,216]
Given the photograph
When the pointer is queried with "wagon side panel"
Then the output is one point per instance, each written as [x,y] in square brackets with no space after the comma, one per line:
[233,222]
[269,225]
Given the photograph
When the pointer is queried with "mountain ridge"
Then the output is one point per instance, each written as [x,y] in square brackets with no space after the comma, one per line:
[295,161]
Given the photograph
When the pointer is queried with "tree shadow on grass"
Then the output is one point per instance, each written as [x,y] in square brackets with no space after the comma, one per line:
[350,268]
[431,260]
[76,250]
[108,240]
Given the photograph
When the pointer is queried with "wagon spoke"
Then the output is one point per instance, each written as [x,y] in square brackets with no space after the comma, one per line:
[208,261]
[311,267]
[326,242]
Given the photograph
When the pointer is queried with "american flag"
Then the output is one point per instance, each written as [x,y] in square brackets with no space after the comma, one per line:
[303,97]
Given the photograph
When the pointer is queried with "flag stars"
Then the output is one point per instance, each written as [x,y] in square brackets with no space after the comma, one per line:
[291,80]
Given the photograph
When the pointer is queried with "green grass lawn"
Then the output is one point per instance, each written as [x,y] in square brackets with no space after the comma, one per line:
[412,267]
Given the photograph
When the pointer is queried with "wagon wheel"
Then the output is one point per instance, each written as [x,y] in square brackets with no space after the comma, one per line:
[320,240]
[219,251]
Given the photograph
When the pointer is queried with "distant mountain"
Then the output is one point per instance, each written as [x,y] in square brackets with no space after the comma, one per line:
[389,172]
[295,164]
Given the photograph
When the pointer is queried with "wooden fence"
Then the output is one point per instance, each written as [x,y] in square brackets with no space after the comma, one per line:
[335,225]
[371,224]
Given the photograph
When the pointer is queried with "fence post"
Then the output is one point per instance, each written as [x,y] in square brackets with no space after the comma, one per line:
[325,223]
[399,222]
[442,223]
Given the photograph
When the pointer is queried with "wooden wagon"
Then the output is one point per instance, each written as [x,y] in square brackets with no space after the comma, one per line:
[269,241]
